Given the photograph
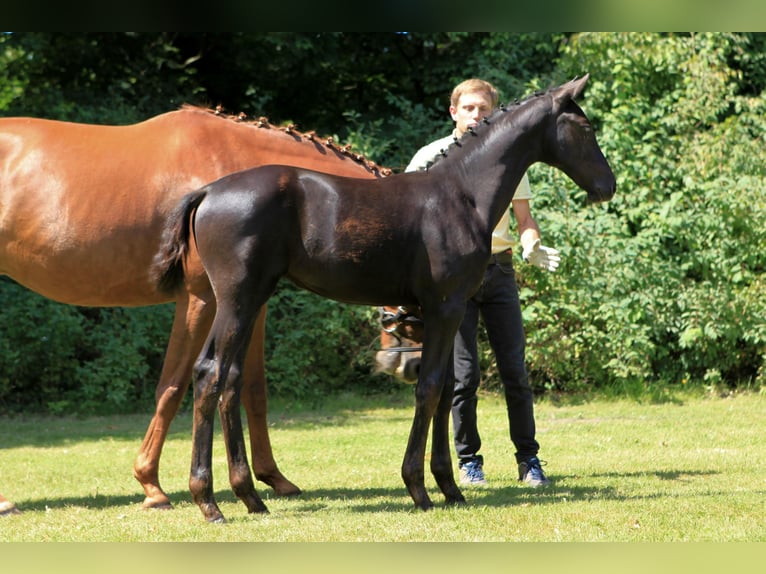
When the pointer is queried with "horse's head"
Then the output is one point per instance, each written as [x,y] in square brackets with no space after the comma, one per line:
[401,337]
[573,147]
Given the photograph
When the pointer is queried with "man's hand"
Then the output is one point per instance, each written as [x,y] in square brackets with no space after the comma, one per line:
[544,257]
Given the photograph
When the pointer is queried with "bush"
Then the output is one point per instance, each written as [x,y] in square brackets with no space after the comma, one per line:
[661,286]
[664,284]
[316,346]
[78,360]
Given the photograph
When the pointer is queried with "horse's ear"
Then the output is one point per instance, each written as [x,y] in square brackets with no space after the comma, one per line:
[571,90]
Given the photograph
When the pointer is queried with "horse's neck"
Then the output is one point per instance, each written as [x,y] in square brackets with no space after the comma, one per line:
[251,145]
[491,174]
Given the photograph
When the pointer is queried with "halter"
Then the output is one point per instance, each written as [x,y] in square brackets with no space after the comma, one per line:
[390,323]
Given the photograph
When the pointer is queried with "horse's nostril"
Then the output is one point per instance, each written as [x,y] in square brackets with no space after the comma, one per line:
[386,362]
[412,369]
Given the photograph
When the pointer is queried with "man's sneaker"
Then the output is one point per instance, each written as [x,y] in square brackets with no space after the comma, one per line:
[472,473]
[532,474]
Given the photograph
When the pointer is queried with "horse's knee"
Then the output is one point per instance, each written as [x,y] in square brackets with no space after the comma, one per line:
[201,485]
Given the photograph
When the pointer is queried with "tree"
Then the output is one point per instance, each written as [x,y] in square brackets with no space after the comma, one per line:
[660,286]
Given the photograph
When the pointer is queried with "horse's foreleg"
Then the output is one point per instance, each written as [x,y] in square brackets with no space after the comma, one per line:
[254,400]
[414,457]
[433,404]
[190,326]
[427,394]
[441,461]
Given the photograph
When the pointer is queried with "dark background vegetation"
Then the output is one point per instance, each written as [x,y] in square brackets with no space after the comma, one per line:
[661,288]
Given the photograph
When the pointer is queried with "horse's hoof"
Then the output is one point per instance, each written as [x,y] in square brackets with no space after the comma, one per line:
[456,501]
[280,485]
[217,520]
[425,505]
[8,509]
[286,491]
[150,504]
[211,512]
[255,505]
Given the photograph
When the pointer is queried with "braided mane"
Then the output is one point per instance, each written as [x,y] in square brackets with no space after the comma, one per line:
[473,132]
[290,129]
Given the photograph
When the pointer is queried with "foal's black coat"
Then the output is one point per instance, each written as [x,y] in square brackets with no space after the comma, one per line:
[417,238]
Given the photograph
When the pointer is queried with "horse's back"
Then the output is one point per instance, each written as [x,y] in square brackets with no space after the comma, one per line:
[92,198]
[337,236]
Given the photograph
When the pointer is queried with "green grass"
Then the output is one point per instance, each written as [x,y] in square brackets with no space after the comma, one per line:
[687,470]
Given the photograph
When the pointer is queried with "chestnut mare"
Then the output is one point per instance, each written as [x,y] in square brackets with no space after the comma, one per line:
[81,214]
[414,238]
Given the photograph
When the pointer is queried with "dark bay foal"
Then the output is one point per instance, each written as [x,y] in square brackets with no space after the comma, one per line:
[411,239]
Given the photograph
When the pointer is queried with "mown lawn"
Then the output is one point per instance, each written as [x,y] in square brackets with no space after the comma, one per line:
[691,469]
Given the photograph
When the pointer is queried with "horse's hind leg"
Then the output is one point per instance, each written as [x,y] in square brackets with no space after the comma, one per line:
[190,326]
[218,374]
[206,393]
[239,471]
[254,400]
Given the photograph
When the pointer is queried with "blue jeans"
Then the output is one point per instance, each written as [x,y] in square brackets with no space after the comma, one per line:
[497,300]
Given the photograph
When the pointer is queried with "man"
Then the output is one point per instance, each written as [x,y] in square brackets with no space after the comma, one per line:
[497,300]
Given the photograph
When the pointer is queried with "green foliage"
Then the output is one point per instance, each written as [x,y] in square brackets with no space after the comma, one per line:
[63,359]
[663,286]
[316,346]
[96,77]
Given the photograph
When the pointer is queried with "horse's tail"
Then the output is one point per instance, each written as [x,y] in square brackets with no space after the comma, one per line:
[168,265]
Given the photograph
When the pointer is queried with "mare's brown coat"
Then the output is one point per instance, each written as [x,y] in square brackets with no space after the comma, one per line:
[81,213]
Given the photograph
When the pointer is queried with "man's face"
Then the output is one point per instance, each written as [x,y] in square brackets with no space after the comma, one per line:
[471,108]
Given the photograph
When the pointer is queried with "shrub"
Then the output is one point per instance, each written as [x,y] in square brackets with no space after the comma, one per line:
[77,360]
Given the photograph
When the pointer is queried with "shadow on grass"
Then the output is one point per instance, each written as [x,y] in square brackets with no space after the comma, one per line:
[98,502]
[396,499]
[47,431]
[661,474]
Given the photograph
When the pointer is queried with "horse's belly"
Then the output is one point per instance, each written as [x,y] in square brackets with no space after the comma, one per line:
[89,284]
[355,286]
[103,272]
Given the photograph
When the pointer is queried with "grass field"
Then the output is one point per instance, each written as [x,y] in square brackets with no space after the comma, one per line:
[691,469]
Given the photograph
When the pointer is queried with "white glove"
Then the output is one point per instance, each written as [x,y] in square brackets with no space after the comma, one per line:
[544,257]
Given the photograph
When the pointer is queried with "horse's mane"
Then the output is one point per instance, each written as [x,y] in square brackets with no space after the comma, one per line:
[471,133]
[290,129]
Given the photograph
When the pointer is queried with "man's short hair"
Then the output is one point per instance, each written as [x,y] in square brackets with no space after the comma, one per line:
[474,85]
